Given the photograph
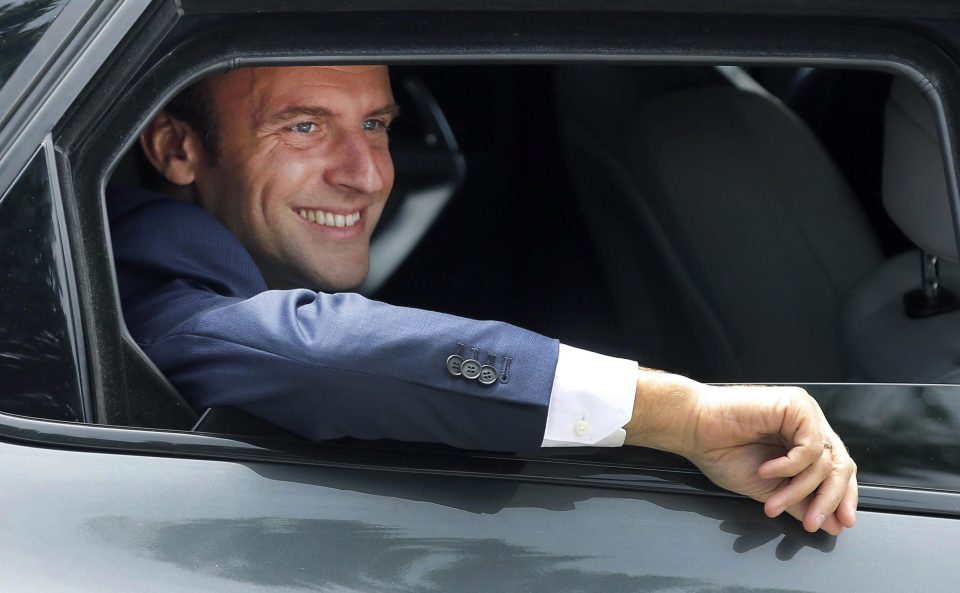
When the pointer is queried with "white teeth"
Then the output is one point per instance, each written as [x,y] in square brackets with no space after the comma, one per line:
[330,219]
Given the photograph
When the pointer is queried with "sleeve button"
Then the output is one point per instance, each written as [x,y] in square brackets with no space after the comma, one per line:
[454,364]
[470,369]
[488,375]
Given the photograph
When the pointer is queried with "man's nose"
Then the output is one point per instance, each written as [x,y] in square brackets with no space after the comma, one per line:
[355,165]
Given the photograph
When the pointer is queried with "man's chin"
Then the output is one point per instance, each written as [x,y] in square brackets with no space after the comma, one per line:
[321,278]
[346,280]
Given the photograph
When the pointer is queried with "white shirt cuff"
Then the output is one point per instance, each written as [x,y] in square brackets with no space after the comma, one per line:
[591,400]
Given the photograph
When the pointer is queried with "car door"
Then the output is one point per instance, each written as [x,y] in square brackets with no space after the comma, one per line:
[112,490]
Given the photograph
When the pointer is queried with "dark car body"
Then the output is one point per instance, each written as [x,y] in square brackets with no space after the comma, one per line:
[110,482]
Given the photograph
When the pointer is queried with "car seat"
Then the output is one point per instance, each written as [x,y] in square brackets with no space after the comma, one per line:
[889,336]
[728,234]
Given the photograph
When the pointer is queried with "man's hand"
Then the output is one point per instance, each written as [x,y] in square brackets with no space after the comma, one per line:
[772,444]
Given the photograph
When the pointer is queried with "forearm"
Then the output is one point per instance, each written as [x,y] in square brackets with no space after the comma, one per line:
[664,412]
[770,443]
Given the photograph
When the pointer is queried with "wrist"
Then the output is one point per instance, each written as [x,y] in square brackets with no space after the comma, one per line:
[664,412]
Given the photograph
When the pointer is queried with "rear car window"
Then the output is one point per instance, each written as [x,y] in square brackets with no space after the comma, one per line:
[39,369]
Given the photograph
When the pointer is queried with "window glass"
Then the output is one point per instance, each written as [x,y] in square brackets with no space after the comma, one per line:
[899,435]
[22,22]
[38,355]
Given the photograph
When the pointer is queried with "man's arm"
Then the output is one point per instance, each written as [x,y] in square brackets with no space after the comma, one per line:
[772,444]
[333,365]
[374,373]
[327,366]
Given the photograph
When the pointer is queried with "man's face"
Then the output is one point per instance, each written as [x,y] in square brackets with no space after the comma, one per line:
[304,169]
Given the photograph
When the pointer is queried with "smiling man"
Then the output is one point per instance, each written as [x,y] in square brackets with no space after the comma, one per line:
[308,152]
[233,282]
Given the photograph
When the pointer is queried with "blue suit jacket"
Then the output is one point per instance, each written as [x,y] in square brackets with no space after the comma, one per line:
[320,365]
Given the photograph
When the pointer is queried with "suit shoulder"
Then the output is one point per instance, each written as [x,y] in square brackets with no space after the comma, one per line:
[157,239]
[153,216]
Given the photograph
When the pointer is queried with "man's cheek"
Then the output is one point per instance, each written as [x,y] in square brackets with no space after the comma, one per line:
[388,173]
[284,176]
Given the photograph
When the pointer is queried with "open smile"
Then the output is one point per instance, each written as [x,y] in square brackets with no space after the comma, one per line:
[330,219]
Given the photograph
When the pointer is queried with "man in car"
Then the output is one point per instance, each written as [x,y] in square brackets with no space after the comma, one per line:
[233,281]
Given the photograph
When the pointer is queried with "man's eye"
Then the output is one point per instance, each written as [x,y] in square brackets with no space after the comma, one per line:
[374,125]
[304,127]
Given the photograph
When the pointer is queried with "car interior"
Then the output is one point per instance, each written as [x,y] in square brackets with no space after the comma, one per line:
[734,224]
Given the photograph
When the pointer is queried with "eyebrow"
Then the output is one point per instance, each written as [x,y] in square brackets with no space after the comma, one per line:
[299,111]
[390,109]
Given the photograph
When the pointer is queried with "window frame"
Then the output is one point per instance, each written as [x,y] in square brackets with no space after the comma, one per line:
[39,24]
[54,72]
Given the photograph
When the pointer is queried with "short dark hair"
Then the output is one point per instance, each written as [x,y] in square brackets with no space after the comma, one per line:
[194,105]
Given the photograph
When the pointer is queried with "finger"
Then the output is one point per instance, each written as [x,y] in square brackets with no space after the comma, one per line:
[807,448]
[795,461]
[829,495]
[847,511]
[799,487]
[833,507]
[838,493]
[830,524]
[802,427]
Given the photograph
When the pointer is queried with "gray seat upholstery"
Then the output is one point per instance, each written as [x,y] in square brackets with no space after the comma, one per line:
[882,343]
[914,184]
[728,235]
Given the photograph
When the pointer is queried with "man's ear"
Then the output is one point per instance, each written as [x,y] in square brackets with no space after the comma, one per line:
[173,148]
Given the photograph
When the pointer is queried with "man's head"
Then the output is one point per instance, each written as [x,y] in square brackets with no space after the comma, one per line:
[293,161]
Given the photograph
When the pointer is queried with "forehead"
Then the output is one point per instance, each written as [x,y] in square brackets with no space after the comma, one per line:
[266,90]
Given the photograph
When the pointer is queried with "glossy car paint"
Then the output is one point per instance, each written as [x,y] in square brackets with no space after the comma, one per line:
[108,522]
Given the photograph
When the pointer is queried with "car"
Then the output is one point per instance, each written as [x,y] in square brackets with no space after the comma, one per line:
[726,203]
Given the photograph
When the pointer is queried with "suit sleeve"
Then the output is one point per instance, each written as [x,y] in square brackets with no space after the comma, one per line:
[331,365]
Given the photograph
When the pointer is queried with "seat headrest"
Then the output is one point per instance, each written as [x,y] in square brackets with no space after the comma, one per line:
[914,184]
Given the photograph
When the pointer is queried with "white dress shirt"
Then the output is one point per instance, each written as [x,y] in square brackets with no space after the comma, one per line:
[591,400]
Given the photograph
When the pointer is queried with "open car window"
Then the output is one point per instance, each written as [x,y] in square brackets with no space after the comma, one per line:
[744,245]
